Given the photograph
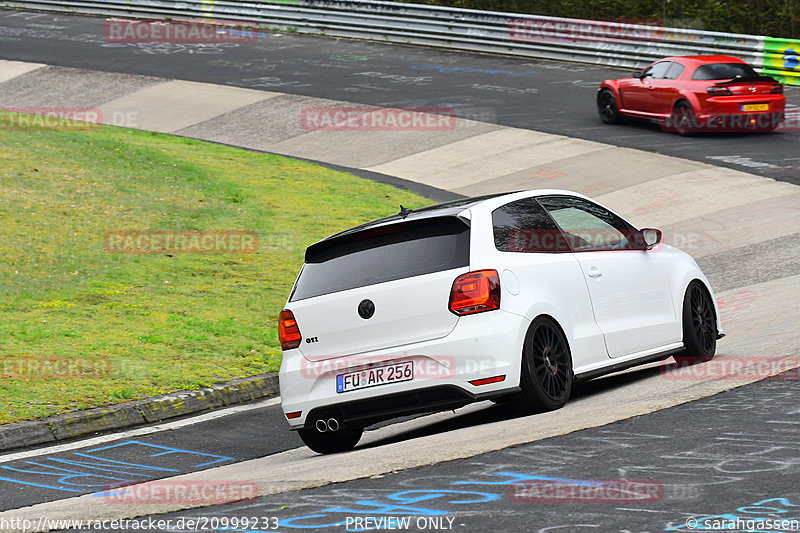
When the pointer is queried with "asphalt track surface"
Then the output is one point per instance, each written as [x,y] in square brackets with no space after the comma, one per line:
[719,472]
[545,96]
[44,475]
[707,464]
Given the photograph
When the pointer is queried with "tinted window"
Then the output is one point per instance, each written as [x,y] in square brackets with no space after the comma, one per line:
[723,71]
[675,70]
[587,225]
[384,254]
[658,70]
[524,226]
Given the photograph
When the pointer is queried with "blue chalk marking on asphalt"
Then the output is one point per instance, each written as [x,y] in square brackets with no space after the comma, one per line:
[433,494]
[105,467]
[167,450]
[63,479]
[66,475]
[37,484]
[516,477]
[290,522]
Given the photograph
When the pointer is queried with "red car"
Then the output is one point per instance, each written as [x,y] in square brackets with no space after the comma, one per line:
[696,93]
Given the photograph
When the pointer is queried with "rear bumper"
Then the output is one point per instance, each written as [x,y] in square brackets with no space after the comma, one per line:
[480,346]
[368,411]
[724,114]
[742,121]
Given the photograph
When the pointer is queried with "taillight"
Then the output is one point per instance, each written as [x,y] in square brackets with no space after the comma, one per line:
[719,91]
[776,89]
[475,292]
[288,331]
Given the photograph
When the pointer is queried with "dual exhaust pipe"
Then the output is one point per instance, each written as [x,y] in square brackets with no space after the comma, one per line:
[327,425]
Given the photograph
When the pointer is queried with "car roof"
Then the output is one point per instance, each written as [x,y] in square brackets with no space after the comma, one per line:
[451,208]
[699,60]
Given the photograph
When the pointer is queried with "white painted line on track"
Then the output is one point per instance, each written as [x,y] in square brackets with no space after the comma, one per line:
[138,432]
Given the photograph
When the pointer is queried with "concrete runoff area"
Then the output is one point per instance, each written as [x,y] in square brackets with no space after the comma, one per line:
[174,105]
[12,69]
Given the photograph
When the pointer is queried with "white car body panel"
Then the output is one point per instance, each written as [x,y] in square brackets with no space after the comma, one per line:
[631,299]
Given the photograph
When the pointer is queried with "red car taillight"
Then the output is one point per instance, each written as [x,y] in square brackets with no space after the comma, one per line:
[719,91]
[288,330]
[475,292]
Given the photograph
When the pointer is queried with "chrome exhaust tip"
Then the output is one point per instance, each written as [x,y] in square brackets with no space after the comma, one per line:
[321,426]
[333,424]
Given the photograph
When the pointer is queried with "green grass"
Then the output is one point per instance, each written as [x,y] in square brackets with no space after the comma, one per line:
[136,325]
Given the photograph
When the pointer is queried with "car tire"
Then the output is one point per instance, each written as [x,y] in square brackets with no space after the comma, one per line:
[607,107]
[699,325]
[546,379]
[331,441]
[684,120]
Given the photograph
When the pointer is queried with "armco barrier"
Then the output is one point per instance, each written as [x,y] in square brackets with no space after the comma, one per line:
[586,41]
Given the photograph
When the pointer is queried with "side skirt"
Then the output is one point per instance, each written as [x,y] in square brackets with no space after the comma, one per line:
[623,365]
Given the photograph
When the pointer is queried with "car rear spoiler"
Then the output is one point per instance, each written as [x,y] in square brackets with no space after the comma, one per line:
[747,79]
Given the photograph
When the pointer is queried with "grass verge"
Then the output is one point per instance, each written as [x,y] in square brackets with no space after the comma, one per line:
[82,327]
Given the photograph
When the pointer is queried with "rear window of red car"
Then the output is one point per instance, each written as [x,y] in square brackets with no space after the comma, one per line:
[723,71]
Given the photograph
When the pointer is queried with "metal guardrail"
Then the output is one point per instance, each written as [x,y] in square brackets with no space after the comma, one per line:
[586,41]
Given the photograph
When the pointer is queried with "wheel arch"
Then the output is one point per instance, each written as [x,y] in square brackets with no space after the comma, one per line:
[688,97]
[683,270]
[612,86]
[700,278]
[559,325]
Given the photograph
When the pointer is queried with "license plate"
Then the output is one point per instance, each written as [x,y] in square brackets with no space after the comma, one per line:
[755,107]
[374,376]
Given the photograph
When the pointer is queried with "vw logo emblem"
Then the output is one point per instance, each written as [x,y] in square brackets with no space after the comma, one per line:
[366,309]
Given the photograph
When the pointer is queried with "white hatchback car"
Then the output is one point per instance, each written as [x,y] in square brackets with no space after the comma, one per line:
[511,296]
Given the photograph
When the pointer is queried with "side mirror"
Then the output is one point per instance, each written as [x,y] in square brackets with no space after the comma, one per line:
[651,237]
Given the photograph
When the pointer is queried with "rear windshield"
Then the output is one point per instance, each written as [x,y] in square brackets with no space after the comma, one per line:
[384,254]
[723,71]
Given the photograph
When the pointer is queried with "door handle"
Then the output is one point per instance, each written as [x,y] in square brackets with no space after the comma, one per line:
[594,272]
